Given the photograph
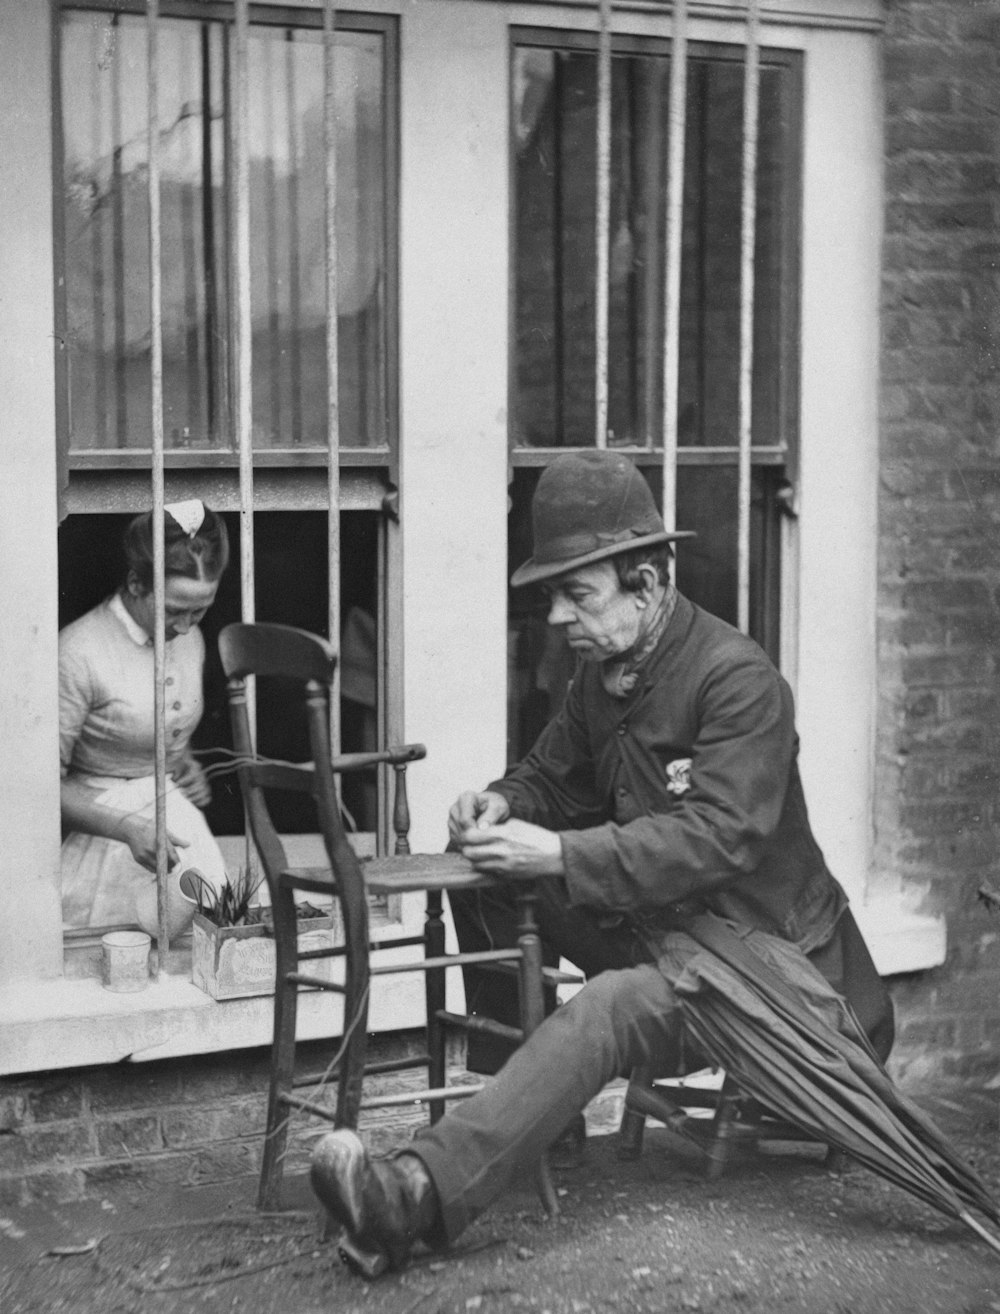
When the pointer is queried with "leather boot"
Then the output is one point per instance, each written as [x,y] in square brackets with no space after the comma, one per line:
[384,1205]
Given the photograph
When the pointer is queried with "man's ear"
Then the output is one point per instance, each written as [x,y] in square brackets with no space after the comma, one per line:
[133,585]
[650,579]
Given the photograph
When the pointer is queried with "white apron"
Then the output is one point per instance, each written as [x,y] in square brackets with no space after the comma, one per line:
[103,885]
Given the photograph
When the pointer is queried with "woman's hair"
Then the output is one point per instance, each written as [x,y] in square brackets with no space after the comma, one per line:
[201,555]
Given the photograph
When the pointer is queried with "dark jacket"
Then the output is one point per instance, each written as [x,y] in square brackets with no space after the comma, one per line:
[686,794]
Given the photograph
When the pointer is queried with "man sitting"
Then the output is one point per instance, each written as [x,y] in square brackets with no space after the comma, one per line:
[666,785]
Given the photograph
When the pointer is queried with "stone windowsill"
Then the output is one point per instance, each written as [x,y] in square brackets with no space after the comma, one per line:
[70,1023]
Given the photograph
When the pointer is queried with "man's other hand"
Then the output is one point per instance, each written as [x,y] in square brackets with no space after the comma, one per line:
[474,811]
[515,849]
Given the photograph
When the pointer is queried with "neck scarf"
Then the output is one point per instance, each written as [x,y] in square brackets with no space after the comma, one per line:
[620,675]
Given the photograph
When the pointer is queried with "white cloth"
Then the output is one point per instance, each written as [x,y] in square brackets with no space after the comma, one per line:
[103,885]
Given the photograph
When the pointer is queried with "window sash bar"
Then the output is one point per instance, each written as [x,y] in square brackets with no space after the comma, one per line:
[748,230]
[332,358]
[157,476]
[677,119]
[603,221]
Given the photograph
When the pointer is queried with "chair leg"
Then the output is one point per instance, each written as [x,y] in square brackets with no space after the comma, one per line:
[434,994]
[633,1123]
[836,1160]
[724,1128]
[282,1059]
[533,1014]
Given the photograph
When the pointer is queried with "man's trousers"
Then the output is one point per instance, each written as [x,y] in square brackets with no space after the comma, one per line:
[625,1017]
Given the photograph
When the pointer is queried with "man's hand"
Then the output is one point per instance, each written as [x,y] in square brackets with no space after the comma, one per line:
[192,781]
[139,834]
[474,811]
[515,849]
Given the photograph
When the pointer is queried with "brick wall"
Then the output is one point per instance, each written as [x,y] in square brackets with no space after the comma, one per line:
[939,568]
[130,1128]
[138,1126]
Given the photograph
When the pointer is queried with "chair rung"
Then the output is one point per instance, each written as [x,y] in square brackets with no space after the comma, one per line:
[484,1025]
[550,975]
[371,1070]
[314,982]
[397,942]
[653,1104]
[423,1096]
[689,1097]
[296,1102]
[335,951]
[447,960]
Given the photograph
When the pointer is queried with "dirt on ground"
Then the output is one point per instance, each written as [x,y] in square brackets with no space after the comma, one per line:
[776,1233]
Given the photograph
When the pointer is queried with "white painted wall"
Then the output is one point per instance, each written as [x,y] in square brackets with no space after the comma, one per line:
[30,928]
[842,221]
[453,348]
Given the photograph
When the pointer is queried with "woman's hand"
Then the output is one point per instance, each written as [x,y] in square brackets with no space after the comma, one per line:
[515,849]
[192,781]
[139,833]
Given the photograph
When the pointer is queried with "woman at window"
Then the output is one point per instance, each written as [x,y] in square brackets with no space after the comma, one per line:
[106,730]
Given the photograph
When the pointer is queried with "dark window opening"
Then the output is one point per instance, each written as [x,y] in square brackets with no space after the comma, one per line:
[291,579]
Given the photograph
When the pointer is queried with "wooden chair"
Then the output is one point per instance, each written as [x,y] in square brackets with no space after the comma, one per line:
[735,1122]
[276,650]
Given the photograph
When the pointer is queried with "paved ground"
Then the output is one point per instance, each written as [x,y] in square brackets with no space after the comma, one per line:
[777,1235]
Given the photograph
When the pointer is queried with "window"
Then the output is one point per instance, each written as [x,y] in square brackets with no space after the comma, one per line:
[554,351]
[105,223]
[102,226]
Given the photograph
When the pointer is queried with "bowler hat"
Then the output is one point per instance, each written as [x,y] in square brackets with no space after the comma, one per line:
[590,505]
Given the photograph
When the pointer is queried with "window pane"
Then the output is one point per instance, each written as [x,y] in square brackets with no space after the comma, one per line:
[104,78]
[555,114]
[288,257]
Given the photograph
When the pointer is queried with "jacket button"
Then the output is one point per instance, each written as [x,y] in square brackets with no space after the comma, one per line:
[623,729]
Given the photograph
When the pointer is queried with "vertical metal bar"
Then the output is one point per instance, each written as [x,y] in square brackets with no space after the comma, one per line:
[212,418]
[159,563]
[118,131]
[332,361]
[559,262]
[294,256]
[652,167]
[675,229]
[603,221]
[751,97]
[243,326]
[243,320]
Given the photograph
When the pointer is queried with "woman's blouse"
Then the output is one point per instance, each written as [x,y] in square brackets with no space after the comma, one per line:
[106,709]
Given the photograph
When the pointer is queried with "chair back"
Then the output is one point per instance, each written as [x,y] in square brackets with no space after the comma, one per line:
[282,651]
[253,649]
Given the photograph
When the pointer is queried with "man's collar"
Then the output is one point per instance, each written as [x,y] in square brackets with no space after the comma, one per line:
[621,675]
[132,627]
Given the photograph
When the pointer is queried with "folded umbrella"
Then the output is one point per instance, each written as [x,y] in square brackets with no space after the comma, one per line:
[758,1008]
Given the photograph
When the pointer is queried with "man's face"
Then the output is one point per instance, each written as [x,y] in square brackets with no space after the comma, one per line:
[599,618]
